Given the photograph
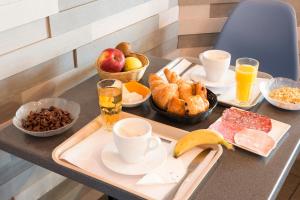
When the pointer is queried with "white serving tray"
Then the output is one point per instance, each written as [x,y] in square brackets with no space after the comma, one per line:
[279,129]
[128,183]
[184,67]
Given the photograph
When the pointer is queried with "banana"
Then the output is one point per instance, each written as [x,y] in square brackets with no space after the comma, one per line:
[199,137]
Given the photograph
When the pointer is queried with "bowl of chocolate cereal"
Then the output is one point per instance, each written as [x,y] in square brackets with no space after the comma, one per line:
[47,117]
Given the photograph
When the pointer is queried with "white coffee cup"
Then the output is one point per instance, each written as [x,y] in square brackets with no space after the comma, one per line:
[215,63]
[133,139]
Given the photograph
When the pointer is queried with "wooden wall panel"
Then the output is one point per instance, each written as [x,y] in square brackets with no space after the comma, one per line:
[34,188]
[6,2]
[58,85]
[12,87]
[24,58]
[296,5]
[193,2]
[126,17]
[194,11]
[173,3]
[71,19]
[168,16]
[143,36]
[29,183]
[8,106]
[156,38]
[87,54]
[165,48]
[36,75]
[221,9]
[193,52]
[37,53]
[25,11]
[22,36]
[10,170]
[197,26]
[71,190]
[4,158]
[197,40]
[224,1]
[68,4]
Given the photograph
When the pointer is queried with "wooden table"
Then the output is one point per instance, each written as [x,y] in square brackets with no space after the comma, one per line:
[237,175]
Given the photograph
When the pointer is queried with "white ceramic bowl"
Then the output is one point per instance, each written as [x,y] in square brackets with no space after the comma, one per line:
[137,103]
[267,86]
[69,106]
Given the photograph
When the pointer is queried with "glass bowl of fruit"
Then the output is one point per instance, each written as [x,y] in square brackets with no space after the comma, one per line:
[121,63]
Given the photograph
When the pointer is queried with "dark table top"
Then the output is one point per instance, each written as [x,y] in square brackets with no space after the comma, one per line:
[237,175]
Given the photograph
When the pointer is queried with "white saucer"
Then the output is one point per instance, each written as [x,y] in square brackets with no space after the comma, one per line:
[198,75]
[111,159]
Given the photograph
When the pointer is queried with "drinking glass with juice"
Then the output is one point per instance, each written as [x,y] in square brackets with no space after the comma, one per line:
[110,101]
[245,74]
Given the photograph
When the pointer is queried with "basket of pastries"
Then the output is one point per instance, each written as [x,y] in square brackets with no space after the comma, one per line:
[180,100]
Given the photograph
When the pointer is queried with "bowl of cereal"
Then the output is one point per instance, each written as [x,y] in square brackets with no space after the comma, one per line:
[282,92]
[47,117]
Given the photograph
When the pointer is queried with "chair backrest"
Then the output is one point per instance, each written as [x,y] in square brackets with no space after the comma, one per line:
[265,30]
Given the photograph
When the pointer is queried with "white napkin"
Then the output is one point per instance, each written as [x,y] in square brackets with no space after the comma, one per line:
[172,170]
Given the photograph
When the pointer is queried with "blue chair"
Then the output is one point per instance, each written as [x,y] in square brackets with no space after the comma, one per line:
[264,30]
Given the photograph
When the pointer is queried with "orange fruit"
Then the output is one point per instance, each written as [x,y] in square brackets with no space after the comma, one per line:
[139,88]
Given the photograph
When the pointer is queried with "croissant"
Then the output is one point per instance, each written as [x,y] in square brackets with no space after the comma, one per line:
[185,90]
[176,106]
[162,92]
[178,96]
[172,77]
[200,90]
[154,81]
[195,105]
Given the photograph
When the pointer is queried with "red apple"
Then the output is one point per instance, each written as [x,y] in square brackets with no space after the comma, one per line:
[111,60]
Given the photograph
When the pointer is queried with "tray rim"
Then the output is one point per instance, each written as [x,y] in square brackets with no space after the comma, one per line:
[260,74]
[95,124]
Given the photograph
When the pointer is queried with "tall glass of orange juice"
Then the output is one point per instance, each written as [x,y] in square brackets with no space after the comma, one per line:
[245,74]
[110,101]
